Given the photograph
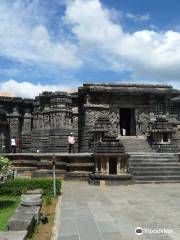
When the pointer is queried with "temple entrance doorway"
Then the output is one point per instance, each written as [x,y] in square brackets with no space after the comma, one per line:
[127,122]
[112,166]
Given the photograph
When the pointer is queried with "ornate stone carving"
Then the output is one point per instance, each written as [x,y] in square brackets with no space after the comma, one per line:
[60,120]
[115,120]
[75,122]
[92,116]
[46,121]
[14,124]
[142,122]
[27,125]
[40,122]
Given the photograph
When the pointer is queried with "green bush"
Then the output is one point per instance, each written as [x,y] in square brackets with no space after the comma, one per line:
[15,187]
[48,200]
[5,169]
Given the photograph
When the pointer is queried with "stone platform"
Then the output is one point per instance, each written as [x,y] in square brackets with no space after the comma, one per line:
[40,164]
[113,213]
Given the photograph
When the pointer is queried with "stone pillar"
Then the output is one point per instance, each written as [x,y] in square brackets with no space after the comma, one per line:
[103,165]
[96,165]
[169,137]
[14,124]
[107,165]
[118,166]
[161,134]
[26,131]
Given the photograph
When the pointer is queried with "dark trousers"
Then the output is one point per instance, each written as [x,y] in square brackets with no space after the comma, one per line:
[13,149]
[71,148]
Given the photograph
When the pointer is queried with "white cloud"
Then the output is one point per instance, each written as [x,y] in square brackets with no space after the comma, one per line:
[98,40]
[29,90]
[24,37]
[138,17]
[155,54]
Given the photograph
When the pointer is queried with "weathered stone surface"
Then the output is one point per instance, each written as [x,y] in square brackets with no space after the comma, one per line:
[13,235]
[31,201]
[113,213]
[35,191]
[30,209]
[33,195]
[21,221]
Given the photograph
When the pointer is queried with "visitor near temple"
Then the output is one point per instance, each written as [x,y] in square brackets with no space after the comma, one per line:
[13,145]
[71,142]
[123,131]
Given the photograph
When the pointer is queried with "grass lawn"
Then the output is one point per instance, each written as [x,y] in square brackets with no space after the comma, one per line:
[8,205]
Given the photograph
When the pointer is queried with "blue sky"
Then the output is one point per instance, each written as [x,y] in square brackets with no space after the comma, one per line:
[60,44]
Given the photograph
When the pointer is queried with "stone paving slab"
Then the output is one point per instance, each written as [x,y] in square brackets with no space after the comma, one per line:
[113,213]
[13,235]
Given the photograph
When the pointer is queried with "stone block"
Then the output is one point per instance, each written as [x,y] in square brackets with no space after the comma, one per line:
[31,200]
[35,196]
[21,221]
[13,235]
[30,209]
[35,191]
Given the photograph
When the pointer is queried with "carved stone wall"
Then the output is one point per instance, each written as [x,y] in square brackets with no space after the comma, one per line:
[52,122]
[142,121]
[26,131]
[45,122]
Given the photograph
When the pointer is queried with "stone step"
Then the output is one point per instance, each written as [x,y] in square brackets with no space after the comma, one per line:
[157,165]
[157,173]
[157,178]
[154,169]
[141,161]
[138,150]
[157,182]
[150,156]
[137,147]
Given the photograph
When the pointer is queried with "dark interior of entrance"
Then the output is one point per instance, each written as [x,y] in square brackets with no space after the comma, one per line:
[112,166]
[127,121]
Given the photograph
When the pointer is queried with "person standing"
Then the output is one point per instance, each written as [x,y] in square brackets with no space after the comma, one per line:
[71,142]
[13,145]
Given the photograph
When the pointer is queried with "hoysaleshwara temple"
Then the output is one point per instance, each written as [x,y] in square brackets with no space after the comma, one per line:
[124,133]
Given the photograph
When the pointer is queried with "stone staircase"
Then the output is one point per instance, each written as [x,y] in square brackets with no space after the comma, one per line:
[135,144]
[154,167]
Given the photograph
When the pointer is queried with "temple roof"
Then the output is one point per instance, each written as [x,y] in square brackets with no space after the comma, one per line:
[176,99]
[128,88]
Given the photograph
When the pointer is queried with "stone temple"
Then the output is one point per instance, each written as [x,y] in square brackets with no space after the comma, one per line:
[123,131]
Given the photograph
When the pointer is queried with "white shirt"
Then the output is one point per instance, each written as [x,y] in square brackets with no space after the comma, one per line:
[124,132]
[13,142]
[71,139]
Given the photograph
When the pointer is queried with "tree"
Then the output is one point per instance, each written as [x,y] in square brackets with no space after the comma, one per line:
[5,169]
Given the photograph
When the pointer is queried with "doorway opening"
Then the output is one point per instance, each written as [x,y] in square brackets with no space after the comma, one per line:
[112,166]
[127,122]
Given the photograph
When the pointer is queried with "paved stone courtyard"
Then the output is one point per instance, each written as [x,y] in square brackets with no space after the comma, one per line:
[112,213]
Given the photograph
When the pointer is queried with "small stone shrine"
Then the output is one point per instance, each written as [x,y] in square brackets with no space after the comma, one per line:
[111,161]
